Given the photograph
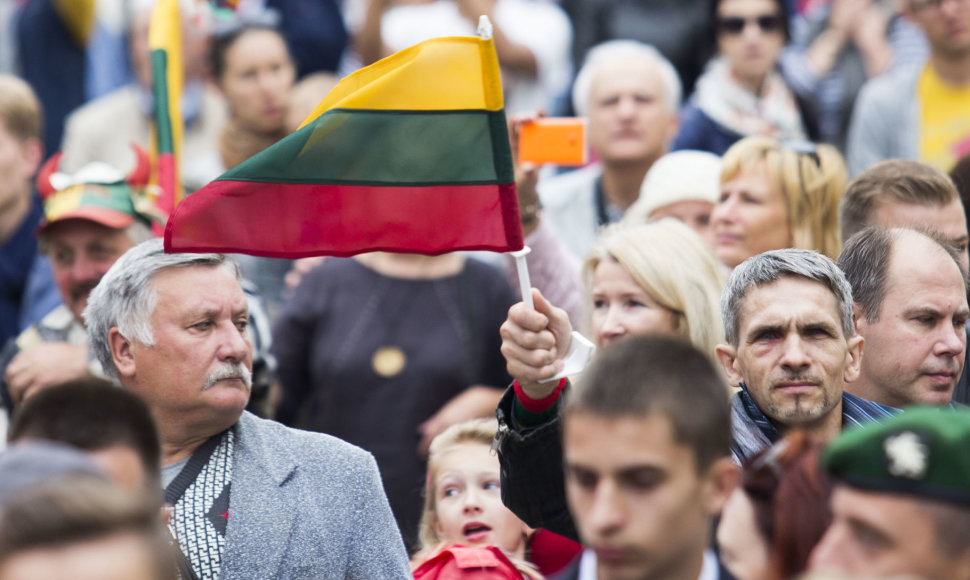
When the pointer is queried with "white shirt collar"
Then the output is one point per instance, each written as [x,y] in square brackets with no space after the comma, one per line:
[587,566]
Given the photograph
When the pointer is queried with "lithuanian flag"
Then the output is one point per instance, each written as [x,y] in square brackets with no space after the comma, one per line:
[165,43]
[410,154]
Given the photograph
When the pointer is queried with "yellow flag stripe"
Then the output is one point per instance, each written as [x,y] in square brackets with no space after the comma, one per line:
[165,34]
[450,73]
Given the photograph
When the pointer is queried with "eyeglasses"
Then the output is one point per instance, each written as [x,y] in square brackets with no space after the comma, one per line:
[735,24]
[807,149]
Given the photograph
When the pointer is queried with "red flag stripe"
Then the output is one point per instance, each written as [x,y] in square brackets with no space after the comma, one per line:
[343,220]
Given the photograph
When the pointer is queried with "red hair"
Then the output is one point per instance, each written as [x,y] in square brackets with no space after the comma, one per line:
[790,495]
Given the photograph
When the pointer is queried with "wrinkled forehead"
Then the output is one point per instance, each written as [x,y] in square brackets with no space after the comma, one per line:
[210,284]
[787,296]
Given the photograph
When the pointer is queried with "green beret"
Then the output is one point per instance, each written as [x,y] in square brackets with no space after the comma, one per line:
[924,451]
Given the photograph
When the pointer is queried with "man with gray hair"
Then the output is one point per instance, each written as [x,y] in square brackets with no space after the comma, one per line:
[252,498]
[91,218]
[629,94]
[791,348]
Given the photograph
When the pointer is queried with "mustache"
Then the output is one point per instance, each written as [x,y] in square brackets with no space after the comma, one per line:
[799,377]
[235,370]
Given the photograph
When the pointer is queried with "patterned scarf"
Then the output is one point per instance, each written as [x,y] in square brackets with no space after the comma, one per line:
[200,496]
[773,113]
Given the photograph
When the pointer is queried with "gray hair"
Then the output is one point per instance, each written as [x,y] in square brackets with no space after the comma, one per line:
[125,298]
[614,50]
[770,266]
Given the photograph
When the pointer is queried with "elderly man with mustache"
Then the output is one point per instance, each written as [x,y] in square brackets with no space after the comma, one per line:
[90,218]
[251,498]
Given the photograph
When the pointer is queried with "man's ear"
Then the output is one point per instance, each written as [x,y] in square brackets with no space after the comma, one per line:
[728,355]
[853,366]
[121,352]
[722,477]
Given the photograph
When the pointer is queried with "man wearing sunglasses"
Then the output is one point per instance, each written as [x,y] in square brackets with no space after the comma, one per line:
[919,113]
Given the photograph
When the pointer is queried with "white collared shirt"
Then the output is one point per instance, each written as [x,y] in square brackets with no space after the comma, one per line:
[587,566]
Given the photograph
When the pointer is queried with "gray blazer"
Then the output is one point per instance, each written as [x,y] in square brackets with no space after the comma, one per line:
[307,505]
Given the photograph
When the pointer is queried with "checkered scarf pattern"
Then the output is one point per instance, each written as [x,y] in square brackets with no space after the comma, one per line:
[200,496]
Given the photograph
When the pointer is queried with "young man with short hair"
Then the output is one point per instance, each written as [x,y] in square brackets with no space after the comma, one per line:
[646,451]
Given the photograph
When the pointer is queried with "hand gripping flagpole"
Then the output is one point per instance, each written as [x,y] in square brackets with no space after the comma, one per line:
[580,348]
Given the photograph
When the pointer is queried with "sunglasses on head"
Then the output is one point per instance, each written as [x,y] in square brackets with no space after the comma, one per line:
[736,24]
[806,148]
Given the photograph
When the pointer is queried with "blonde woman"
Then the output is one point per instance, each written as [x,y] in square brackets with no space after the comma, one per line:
[656,277]
[775,196]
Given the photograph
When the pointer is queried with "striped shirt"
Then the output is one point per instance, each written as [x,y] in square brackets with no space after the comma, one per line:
[752,430]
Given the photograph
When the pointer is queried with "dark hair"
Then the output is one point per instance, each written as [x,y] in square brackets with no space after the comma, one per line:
[865,261]
[228,32]
[660,374]
[91,414]
[960,174]
[712,30]
[892,181]
[75,509]
[790,497]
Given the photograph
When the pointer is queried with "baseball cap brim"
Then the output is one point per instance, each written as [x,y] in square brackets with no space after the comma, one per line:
[100,215]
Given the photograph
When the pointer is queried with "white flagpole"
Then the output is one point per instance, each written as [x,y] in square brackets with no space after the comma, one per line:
[525,285]
[484,27]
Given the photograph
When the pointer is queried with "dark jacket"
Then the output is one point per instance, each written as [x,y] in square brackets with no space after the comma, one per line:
[700,132]
[532,479]
[533,485]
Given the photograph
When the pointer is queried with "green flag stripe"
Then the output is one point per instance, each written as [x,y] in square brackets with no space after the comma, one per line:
[163,121]
[368,147]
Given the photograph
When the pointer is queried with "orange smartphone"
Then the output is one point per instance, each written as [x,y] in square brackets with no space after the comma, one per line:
[558,140]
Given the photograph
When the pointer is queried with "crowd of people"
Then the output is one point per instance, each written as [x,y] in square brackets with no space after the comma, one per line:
[768,249]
